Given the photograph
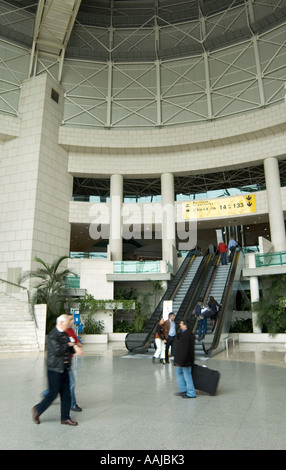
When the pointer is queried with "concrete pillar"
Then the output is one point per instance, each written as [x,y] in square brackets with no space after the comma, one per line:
[168,219]
[116,201]
[254,292]
[36,187]
[276,218]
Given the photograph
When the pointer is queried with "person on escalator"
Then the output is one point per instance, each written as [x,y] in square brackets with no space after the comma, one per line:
[159,342]
[203,313]
[222,249]
[232,248]
[214,307]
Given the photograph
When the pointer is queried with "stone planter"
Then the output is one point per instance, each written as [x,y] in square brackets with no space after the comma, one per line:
[261,338]
[94,339]
[117,336]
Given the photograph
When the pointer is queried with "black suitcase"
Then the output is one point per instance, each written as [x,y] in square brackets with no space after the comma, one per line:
[205,379]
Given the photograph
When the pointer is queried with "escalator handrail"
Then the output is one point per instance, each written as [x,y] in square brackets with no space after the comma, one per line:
[194,292]
[189,312]
[224,301]
[172,288]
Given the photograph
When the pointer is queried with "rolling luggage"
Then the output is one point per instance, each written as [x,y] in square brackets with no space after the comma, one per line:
[205,379]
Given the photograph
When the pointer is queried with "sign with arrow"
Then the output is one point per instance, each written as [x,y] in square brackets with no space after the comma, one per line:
[219,207]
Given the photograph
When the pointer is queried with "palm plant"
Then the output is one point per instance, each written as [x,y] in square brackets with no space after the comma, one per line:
[50,288]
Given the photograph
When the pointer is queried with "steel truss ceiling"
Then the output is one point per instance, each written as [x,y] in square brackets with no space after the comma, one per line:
[166,63]
[53,26]
[148,63]
[245,178]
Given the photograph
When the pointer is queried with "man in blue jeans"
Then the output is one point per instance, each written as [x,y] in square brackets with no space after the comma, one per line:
[184,359]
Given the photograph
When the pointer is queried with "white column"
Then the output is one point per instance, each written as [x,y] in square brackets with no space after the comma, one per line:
[254,292]
[168,219]
[116,200]
[276,218]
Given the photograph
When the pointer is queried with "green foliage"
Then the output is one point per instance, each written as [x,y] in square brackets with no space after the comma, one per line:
[242,326]
[123,294]
[139,322]
[126,299]
[271,308]
[50,288]
[89,306]
[89,303]
[122,326]
[92,326]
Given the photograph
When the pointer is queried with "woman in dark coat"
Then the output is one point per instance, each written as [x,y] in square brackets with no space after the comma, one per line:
[214,306]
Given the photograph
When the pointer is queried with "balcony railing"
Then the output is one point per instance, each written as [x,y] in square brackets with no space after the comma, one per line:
[270,259]
[91,255]
[129,267]
[72,282]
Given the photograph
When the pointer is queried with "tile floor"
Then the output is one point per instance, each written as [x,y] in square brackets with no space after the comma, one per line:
[129,403]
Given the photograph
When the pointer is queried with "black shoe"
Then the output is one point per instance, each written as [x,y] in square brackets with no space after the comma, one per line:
[180,394]
[76,408]
[186,396]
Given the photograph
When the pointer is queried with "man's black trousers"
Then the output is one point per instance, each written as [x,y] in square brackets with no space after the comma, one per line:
[58,383]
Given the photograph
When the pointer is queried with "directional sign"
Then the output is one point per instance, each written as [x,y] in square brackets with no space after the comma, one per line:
[219,207]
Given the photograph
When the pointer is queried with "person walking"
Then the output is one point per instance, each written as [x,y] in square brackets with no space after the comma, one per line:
[169,330]
[59,353]
[184,359]
[159,342]
[73,339]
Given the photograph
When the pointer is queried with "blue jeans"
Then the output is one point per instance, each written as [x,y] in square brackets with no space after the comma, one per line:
[223,258]
[72,387]
[185,381]
[202,325]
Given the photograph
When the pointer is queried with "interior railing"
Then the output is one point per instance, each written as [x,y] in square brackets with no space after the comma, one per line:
[4,281]
[226,301]
[136,342]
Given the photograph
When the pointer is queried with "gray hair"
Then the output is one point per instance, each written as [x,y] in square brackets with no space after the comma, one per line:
[62,318]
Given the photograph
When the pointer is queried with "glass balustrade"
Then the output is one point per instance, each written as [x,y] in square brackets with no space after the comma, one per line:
[270,259]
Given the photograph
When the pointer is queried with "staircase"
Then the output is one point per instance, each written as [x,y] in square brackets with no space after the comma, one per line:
[17,329]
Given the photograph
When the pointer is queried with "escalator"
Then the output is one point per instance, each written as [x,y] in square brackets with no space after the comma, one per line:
[196,289]
[179,288]
[223,287]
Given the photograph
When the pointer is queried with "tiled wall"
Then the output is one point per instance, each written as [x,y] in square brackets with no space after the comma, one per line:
[35,185]
[218,145]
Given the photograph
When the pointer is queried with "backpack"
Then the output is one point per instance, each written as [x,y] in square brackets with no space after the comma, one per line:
[198,310]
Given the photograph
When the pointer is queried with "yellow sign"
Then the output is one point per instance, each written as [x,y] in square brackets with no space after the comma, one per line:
[219,207]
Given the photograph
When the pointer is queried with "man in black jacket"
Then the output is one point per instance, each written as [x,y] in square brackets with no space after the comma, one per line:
[184,359]
[58,362]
